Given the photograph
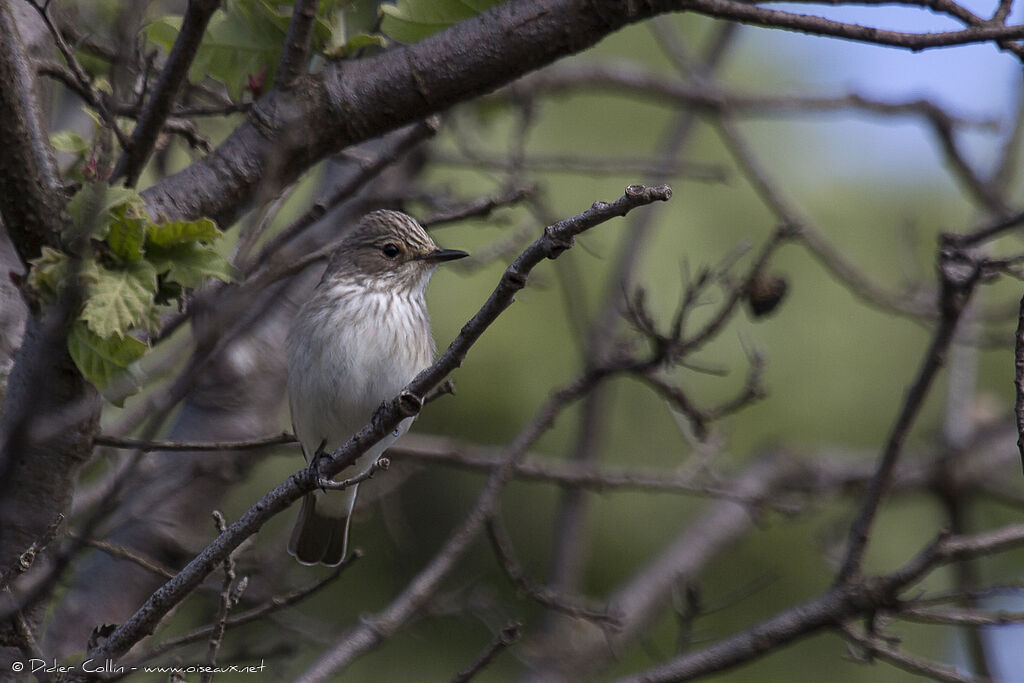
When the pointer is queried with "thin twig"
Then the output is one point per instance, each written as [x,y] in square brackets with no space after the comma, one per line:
[667,168]
[875,646]
[959,275]
[815,25]
[399,144]
[479,208]
[275,604]
[570,606]
[147,446]
[85,84]
[641,82]
[380,464]
[124,553]
[228,598]
[832,608]
[959,617]
[509,635]
[990,231]
[1018,381]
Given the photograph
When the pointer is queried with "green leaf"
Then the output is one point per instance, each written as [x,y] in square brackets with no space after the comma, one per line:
[127,236]
[354,44]
[69,141]
[190,264]
[94,207]
[49,272]
[182,232]
[164,31]
[408,21]
[242,39]
[101,361]
[118,300]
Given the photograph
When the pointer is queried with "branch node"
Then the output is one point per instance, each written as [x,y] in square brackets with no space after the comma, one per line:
[409,404]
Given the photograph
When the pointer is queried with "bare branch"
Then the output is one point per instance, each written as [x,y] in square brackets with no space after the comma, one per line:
[762,16]
[958,617]
[275,604]
[836,606]
[161,100]
[876,646]
[380,464]
[667,168]
[634,81]
[959,275]
[480,208]
[228,598]
[398,145]
[85,86]
[508,637]
[570,606]
[295,54]
[1018,381]
[124,553]
[147,446]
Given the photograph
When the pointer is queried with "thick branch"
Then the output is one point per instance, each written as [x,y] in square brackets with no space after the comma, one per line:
[30,186]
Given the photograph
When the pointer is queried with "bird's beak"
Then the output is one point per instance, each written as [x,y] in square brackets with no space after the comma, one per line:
[444,255]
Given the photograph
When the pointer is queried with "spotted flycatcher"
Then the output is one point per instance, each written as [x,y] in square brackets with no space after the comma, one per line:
[361,337]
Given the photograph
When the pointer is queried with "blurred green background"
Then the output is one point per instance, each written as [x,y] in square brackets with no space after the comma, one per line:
[836,369]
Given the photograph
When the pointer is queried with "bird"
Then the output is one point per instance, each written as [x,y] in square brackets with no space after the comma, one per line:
[355,343]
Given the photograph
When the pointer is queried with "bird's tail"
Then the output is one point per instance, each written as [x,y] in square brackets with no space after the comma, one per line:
[320,535]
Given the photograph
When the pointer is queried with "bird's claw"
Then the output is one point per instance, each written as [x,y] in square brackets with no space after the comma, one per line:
[314,464]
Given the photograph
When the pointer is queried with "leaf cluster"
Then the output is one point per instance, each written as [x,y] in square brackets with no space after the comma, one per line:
[245,38]
[130,267]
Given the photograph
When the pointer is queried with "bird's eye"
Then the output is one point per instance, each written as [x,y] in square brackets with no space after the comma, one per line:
[390,250]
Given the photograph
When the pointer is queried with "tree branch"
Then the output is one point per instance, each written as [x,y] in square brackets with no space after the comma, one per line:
[556,238]
[832,608]
[959,275]
[804,23]
[31,190]
[296,43]
[161,101]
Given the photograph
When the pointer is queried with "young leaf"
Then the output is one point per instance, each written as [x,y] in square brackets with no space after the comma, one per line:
[190,264]
[102,360]
[354,44]
[182,232]
[241,39]
[48,273]
[69,141]
[127,236]
[408,21]
[118,300]
[93,208]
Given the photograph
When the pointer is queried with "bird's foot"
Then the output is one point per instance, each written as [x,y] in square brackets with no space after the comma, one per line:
[314,464]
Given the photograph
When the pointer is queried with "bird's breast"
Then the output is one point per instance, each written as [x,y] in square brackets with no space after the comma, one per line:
[349,350]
